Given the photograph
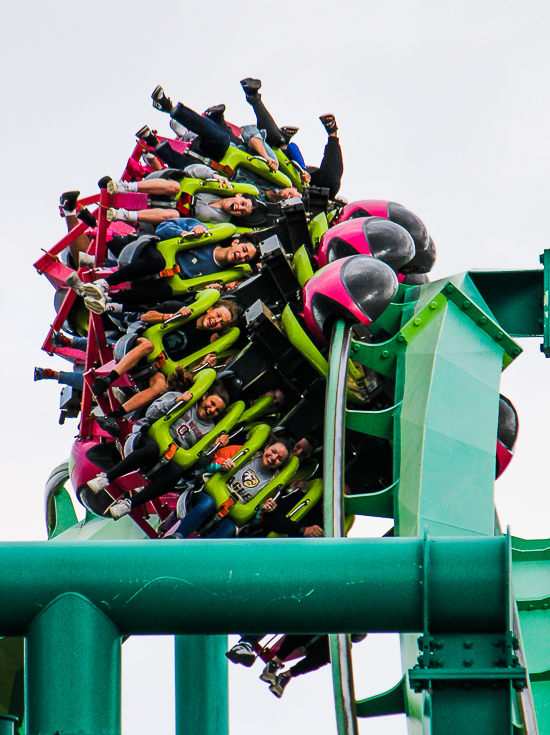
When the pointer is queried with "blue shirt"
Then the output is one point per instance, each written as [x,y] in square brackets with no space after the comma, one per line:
[198,262]
[293,152]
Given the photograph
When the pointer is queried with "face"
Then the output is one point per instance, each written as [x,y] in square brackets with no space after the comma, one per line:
[214,319]
[210,407]
[274,456]
[238,205]
[302,449]
[240,252]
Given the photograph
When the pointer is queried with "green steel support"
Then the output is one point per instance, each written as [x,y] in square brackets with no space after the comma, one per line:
[72,670]
[545,260]
[202,697]
[292,585]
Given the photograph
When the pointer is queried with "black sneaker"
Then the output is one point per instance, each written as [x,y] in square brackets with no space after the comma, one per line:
[68,200]
[269,674]
[289,131]
[215,113]
[251,86]
[241,653]
[87,217]
[109,424]
[280,685]
[101,384]
[102,183]
[161,101]
[147,136]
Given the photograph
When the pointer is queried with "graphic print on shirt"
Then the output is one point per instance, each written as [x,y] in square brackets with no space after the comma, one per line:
[250,478]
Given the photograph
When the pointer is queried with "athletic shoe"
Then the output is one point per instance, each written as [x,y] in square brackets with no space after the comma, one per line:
[61,340]
[161,101]
[103,181]
[74,282]
[101,384]
[97,290]
[84,259]
[329,123]
[241,653]
[269,674]
[113,214]
[98,483]
[121,508]
[87,217]
[109,424]
[44,374]
[215,113]
[97,306]
[67,202]
[280,685]
[289,131]
[251,86]
[147,136]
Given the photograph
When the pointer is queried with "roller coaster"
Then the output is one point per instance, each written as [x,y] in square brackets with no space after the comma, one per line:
[371,356]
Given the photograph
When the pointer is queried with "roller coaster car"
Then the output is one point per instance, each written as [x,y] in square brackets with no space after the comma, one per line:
[160,430]
[189,187]
[358,288]
[235,158]
[290,168]
[425,256]
[217,486]
[316,200]
[170,342]
[173,248]
[376,236]
[507,434]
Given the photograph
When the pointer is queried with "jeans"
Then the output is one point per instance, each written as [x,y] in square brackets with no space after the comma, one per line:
[205,507]
[214,139]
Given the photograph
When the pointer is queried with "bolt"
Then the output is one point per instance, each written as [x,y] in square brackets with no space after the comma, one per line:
[354,347]
[385,354]
[417,321]
[531,607]
[439,644]
[516,351]
[449,288]
[545,606]
[433,305]
[483,320]
[400,337]
[499,335]
[468,662]
[467,644]
[466,305]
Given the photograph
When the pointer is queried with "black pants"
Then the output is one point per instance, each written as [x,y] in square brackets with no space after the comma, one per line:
[214,140]
[145,457]
[329,175]
[150,262]
[264,121]
[317,655]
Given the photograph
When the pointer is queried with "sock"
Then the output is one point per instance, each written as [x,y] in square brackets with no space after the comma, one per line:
[114,308]
[67,213]
[117,413]
[132,216]
[126,186]
[113,375]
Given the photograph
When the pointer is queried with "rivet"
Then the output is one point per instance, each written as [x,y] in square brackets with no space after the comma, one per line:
[385,354]
[467,662]
[516,350]
[483,320]
[433,305]
[531,607]
[417,321]
[467,644]
[545,606]
[400,337]
[449,288]
[499,335]
[354,348]
[466,305]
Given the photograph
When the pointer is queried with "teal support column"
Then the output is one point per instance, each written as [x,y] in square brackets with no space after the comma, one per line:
[7,723]
[72,670]
[202,692]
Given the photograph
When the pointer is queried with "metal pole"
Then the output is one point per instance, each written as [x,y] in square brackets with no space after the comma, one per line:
[7,724]
[202,692]
[72,670]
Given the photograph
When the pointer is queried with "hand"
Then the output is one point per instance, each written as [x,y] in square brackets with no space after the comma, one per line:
[210,359]
[314,532]
[269,506]
[227,465]
[223,440]
[289,193]
[185,397]
[185,311]
[272,163]
[199,230]
[217,286]
[305,177]
[222,181]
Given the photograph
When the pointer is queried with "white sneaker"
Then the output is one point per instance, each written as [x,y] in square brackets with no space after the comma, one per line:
[86,259]
[98,306]
[74,282]
[98,483]
[121,508]
[113,215]
[97,290]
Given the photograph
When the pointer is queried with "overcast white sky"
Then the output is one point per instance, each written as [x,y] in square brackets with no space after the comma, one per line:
[443,107]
